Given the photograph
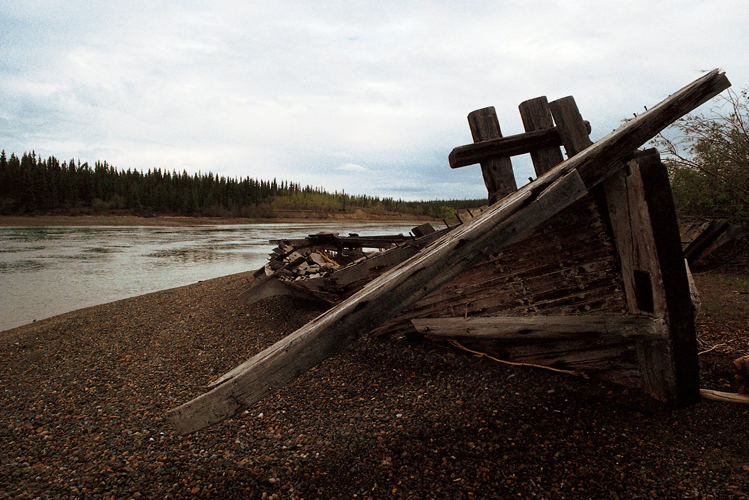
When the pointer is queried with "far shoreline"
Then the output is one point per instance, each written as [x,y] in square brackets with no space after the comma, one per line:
[177,221]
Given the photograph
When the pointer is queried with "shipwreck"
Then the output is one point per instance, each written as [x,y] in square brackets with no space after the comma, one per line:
[582,269]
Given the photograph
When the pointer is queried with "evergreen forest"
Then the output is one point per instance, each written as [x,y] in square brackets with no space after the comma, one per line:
[32,185]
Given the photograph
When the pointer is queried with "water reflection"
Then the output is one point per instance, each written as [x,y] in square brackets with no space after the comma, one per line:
[49,271]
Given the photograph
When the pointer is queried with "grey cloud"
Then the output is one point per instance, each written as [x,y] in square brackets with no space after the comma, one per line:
[295,90]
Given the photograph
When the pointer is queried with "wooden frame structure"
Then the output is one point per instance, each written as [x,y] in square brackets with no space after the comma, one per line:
[625,314]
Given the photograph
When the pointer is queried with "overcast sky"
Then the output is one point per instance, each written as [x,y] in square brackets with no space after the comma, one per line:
[366,97]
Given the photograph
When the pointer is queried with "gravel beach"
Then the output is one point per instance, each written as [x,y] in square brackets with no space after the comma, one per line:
[83,398]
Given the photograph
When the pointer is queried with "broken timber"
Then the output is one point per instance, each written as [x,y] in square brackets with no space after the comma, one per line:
[701,238]
[328,268]
[668,365]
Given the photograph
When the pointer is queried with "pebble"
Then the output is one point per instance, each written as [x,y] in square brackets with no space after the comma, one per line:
[83,410]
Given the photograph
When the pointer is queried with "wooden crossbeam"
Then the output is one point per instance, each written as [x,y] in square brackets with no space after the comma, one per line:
[512,145]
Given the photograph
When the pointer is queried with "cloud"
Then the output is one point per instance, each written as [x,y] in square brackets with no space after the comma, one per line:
[352,167]
[312,92]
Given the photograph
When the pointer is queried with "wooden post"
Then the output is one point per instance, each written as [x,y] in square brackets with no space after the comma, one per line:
[646,235]
[498,175]
[681,354]
[571,125]
[536,115]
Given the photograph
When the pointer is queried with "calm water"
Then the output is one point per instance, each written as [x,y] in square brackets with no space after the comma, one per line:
[50,271]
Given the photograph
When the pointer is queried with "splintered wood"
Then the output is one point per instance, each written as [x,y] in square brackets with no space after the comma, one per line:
[550,273]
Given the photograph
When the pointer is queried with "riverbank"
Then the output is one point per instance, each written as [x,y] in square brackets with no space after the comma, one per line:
[84,396]
[172,221]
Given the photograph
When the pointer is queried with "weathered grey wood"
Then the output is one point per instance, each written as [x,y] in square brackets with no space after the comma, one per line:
[725,397]
[515,328]
[465,246]
[620,142]
[497,171]
[681,355]
[513,145]
[584,355]
[636,132]
[571,126]
[536,115]
[334,241]
[462,248]
[641,273]
[656,281]
[577,273]
[423,230]
[344,280]
[634,239]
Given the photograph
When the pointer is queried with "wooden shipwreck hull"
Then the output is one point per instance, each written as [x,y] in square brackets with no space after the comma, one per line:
[329,268]
[586,291]
[581,269]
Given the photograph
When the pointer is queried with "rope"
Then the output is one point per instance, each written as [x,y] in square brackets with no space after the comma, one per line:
[513,363]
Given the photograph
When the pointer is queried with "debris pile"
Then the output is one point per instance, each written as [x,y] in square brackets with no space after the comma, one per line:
[329,268]
[321,254]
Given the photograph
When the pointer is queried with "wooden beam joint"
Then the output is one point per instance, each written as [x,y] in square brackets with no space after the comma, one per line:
[512,145]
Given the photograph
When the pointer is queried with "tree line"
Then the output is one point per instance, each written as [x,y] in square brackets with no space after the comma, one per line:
[34,185]
[707,157]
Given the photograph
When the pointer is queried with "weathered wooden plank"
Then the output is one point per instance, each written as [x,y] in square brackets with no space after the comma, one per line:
[725,397]
[511,291]
[633,236]
[524,328]
[618,144]
[636,132]
[512,145]
[462,248]
[571,125]
[503,223]
[588,355]
[655,278]
[698,247]
[681,354]
[577,272]
[497,171]
[536,115]
[335,241]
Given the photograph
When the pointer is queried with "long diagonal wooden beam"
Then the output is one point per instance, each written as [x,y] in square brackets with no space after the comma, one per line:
[469,244]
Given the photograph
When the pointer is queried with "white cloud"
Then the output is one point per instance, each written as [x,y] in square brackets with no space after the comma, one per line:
[352,167]
[310,92]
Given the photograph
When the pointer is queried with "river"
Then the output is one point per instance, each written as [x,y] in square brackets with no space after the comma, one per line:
[46,271]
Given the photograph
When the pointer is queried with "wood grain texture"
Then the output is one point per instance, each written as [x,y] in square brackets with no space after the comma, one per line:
[503,223]
[536,115]
[462,248]
[571,125]
[497,170]
[552,327]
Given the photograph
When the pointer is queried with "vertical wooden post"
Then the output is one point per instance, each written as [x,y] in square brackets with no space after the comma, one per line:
[536,115]
[682,351]
[646,234]
[570,125]
[498,176]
